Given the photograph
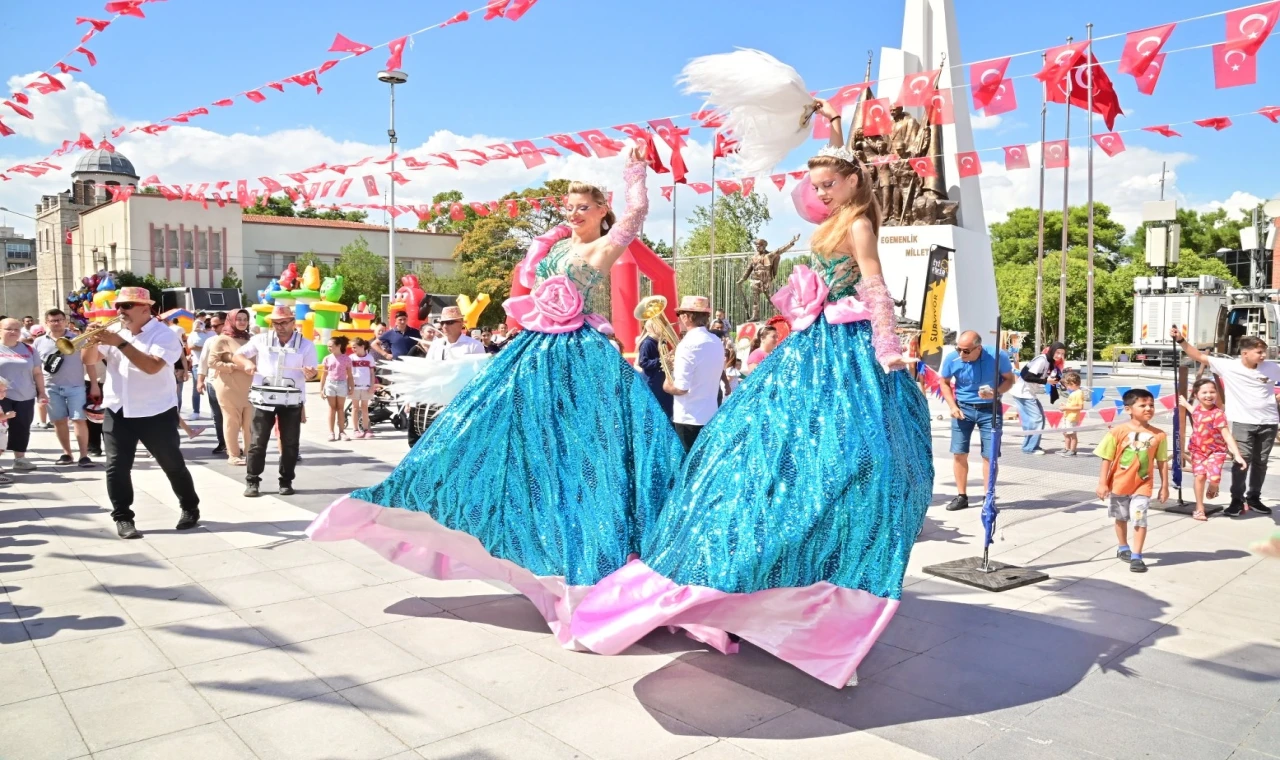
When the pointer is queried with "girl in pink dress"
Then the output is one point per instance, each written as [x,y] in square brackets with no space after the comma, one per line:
[1210,442]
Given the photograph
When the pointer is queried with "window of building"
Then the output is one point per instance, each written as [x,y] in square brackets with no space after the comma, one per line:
[202,249]
[171,248]
[266,266]
[188,254]
[18,250]
[157,248]
[215,250]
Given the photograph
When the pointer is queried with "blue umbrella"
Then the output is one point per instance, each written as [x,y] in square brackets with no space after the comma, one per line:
[989,509]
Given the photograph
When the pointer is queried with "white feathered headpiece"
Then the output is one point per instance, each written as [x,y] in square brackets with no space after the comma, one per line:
[762,100]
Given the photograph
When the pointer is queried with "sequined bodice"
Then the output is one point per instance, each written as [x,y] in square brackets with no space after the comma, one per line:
[841,272]
[562,260]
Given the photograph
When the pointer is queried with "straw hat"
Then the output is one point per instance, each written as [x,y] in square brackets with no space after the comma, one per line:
[698,304]
[134,295]
[281,313]
[450,314]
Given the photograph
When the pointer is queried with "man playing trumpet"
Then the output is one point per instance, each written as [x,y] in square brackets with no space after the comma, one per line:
[695,379]
[140,405]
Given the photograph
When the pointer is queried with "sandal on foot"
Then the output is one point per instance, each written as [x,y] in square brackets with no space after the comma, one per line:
[1201,516]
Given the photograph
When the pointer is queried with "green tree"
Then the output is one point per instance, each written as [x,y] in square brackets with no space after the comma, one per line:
[363,271]
[152,283]
[487,256]
[738,219]
[149,191]
[444,222]
[333,213]
[275,205]
[1202,233]
[1016,239]
[660,247]
[232,281]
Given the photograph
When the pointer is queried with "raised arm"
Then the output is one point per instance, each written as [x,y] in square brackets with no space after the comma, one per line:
[837,127]
[1193,353]
[630,222]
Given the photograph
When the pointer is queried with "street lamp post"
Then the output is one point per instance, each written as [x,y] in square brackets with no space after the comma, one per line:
[392,78]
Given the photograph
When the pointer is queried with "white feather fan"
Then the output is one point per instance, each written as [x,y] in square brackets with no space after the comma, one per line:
[414,380]
[762,101]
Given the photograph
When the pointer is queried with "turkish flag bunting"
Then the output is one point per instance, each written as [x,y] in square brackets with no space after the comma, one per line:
[293,194]
[843,98]
[1108,415]
[1141,48]
[797,175]
[255,96]
[390,157]
[504,152]
[312,191]
[324,189]
[968,164]
[1053,417]
[1110,142]
[666,191]
[242,193]
[779,179]
[343,45]
[97,24]
[481,157]
[66,68]
[370,185]
[307,79]
[394,211]
[529,153]
[1248,28]
[154,179]
[120,192]
[5,131]
[518,8]
[924,166]
[1162,130]
[327,65]
[708,119]
[985,79]
[513,208]
[652,158]
[1105,101]
[21,97]
[221,184]
[875,117]
[725,144]
[1147,82]
[93,60]
[108,147]
[154,129]
[180,118]
[568,143]
[342,188]
[270,184]
[748,185]
[1272,113]
[297,177]
[701,188]
[479,208]
[199,111]
[1059,61]
[669,132]
[315,169]
[19,109]
[1057,154]
[1232,66]
[85,142]
[941,109]
[1015,157]
[277,86]
[125,8]
[48,165]
[53,84]
[457,19]
[224,102]
[1218,123]
[446,160]
[495,8]
[117,132]
[604,146]
[917,88]
[397,53]
[728,186]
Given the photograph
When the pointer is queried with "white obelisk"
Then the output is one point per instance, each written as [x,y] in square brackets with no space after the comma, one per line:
[928,33]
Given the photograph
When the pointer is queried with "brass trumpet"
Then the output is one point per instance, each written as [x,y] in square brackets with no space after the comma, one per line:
[68,346]
[650,309]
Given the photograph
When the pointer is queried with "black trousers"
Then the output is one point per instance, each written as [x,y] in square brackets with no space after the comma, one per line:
[19,426]
[95,430]
[290,420]
[217,413]
[159,434]
[1255,447]
[688,434]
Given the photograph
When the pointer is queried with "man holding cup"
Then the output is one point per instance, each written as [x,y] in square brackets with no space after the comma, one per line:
[972,377]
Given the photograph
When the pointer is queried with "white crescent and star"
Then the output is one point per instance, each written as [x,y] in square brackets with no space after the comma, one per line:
[983,79]
[1144,41]
[1227,58]
[1106,140]
[1261,19]
[872,111]
[1055,150]
[966,161]
[922,78]
[1015,153]
[1065,55]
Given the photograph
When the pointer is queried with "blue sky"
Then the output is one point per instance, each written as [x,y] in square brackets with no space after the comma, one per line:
[578,64]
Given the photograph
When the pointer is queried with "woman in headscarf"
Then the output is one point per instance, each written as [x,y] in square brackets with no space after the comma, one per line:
[231,383]
[1045,369]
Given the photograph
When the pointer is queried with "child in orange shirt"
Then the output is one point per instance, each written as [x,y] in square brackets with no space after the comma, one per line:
[1131,453]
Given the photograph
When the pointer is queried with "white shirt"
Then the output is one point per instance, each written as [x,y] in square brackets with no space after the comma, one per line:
[130,390]
[441,348]
[698,363]
[1023,389]
[1251,393]
[298,354]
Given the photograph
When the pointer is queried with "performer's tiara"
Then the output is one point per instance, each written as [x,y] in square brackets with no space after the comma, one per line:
[844,153]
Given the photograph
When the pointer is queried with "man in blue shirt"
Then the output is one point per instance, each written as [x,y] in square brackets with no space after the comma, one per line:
[977,382]
[399,340]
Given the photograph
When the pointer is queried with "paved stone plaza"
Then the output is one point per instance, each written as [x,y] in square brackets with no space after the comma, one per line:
[243,640]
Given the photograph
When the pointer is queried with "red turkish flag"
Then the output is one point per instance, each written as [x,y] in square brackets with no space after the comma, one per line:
[93,60]
[307,79]
[1248,28]
[328,65]
[224,102]
[458,18]
[985,79]
[19,109]
[108,147]
[270,184]
[328,185]
[5,131]
[1015,157]
[154,179]
[941,109]
[779,179]
[495,8]
[1147,82]
[297,177]
[242,193]
[315,169]
[50,85]
[1272,113]
[153,129]
[917,88]
[397,53]
[117,132]
[255,96]
[1110,142]
[1105,101]
[518,8]
[503,152]
[1162,130]
[568,143]
[797,175]
[513,208]
[448,160]
[968,164]
[311,191]
[398,178]
[529,153]
[725,144]
[1142,47]
[85,142]
[277,86]
[701,188]
[669,132]
[728,186]
[924,166]
[370,185]
[843,98]
[1232,66]
[748,185]
[66,68]
[666,191]
[875,118]
[1059,61]
[125,8]
[342,187]
[604,146]
[708,119]
[97,25]
[1057,154]
[479,208]
[673,137]
[21,97]
[1218,123]
[343,45]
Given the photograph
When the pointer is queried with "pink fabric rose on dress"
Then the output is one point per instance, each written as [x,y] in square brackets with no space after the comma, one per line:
[802,298]
[555,306]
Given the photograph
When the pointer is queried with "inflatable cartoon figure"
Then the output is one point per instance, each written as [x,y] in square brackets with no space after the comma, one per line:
[410,295]
[289,277]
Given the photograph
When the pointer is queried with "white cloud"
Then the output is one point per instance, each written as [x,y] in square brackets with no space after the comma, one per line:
[1235,204]
[983,121]
[61,115]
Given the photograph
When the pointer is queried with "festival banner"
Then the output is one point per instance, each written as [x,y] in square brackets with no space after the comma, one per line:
[935,289]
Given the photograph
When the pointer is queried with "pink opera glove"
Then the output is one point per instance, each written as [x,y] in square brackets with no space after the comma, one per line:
[527,269]
[874,294]
[802,299]
[628,226]
[553,307]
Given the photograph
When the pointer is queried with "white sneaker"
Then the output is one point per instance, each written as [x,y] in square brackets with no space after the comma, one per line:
[23,465]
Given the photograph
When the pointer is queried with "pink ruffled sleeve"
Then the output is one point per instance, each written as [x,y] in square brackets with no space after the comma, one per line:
[630,223]
[874,293]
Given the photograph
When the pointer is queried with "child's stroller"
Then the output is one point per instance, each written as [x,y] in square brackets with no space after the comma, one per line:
[382,407]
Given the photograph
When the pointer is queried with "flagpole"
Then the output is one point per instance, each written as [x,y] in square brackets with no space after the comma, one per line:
[1089,317]
[1044,113]
[673,226]
[711,258]
[1066,213]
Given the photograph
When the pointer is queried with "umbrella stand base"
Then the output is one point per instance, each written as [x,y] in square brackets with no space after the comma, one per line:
[998,577]
[1186,508]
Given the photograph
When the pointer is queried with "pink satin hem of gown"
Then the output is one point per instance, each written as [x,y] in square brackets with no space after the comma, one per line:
[823,629]
[415,541]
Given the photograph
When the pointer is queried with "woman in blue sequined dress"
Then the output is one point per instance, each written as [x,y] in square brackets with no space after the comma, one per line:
[796,510]
[546,469]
